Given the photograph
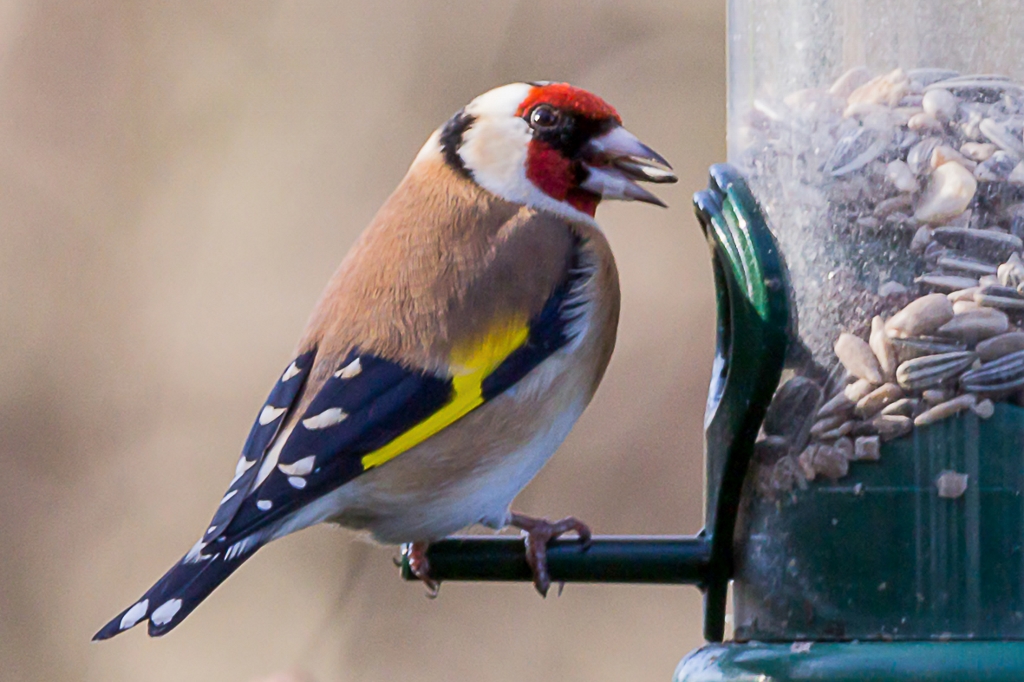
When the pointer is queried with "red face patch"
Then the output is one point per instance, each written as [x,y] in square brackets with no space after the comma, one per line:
[548,168]
[568,98]
[553,174]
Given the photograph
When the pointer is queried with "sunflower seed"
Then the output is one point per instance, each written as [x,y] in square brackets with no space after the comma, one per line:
[858,358]
[984,244]
[922,238]
[838,404]
[906,407]
[964,306]
[998,377]
[997,168]
[795,401]
[920,155]
[1001,136]
[975,325]
[883,349]
[855,151]
[873,402]
[946,282]
[962,295]
[893,204]
[999,346]
[946,409]
[934,396]
[842,430]
[967,265]
[858,389]
[933,370]
[1001,302]
[910,348]
[770,449]
[921,317]
[827,424]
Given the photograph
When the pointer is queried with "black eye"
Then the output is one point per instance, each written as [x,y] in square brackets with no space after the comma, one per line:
[544,117]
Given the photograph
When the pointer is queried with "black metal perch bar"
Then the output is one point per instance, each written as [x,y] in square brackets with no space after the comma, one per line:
[661,559]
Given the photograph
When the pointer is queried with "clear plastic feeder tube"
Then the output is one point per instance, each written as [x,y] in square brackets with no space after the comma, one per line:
[885,143]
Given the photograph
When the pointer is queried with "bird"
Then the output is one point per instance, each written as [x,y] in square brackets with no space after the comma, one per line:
[449,355]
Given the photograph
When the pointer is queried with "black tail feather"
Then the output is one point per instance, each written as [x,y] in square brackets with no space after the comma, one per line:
[175,595]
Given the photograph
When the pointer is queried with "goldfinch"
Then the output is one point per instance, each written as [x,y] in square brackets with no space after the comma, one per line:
[450,354]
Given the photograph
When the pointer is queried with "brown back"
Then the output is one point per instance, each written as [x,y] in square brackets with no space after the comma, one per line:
[440,265]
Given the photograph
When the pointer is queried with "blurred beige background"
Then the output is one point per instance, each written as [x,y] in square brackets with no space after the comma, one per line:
[178,182]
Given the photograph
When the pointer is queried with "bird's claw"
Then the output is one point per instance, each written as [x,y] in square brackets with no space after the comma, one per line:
[416,552]
[538,533]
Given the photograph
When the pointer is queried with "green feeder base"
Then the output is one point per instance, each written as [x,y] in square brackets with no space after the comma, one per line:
[855,662]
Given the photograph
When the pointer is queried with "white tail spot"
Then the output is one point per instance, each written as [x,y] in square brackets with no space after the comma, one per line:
[240,547]
[269,414]
[329,417]
[303,467]
[264,505]
[350,370]
[195,554]
[134,614]
[231,493]
[297,482]
[292,371]
[165,612]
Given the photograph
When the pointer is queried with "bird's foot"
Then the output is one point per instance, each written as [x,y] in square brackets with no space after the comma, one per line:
[420,566]
[538,533]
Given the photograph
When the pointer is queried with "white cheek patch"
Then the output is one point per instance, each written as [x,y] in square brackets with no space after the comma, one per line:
[494,150]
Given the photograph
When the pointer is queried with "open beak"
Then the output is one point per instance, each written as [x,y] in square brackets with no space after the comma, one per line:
[616,161]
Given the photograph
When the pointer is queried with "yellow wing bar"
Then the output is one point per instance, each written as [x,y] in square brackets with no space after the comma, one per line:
[470,366]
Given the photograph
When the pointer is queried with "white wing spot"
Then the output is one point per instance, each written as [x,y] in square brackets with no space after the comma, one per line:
[350,370]
[165,612]
[211,529]
[231,493]
[134,614]
[242,466]
[329,417]
[270,413]
[302,467]
[292,371]
[270,459]
[297,482]
[264,505]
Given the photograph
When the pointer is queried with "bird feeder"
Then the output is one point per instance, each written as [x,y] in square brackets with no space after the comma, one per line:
[864,428]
